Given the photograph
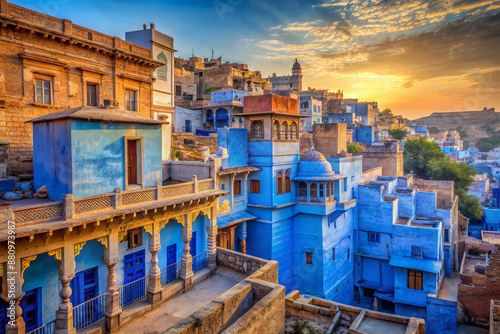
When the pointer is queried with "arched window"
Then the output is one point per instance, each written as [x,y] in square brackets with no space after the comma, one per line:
[276,130]
[288,182]
[302,189]
[321,192]
[313,190]
[257,130]
[328,189]
[284,128]
[293,131]
[279,183]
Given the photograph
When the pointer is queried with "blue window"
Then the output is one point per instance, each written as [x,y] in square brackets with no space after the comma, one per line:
[446,235]
[373,237]
[32,309]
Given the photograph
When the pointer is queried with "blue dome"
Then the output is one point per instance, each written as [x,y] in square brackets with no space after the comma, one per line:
[313,166]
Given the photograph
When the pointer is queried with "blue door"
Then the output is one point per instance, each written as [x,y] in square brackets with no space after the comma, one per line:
[192,244]
[171,260]
[32,309]
[134,269]
[85,286]
[188,126]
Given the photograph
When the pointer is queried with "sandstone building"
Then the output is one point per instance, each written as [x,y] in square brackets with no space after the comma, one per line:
[50,64]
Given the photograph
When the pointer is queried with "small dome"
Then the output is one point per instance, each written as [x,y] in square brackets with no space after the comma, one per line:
[296,65]
[313,165]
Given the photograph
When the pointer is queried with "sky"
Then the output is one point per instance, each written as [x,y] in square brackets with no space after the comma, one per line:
[414,57]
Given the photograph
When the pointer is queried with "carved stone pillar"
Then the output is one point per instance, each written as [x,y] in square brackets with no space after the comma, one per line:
[186,273]
[16,326]
[154,291]
[212,239]
[15,322]
[64,315]
[113,308]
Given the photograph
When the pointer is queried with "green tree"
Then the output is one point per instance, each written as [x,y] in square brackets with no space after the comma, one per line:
[355,148]
[471,208]
[398,134]
[418,152]
[487,144]
[426,160]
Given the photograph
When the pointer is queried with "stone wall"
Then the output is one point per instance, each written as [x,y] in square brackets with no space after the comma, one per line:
[330,138]
[305,141]
[372,174]
[388,156]
[189,144]
[443,189]
[475,294]
[255,305]
[495,317]
[35,46]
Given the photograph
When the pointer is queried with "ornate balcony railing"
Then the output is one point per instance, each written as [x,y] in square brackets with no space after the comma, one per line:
[170,273]
[133,292]
[90,312]
[70,208]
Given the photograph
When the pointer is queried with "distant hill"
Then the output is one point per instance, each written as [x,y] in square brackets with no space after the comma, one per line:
[478,124]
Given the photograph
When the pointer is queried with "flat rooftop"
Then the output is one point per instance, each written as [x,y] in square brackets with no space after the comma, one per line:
[469,263]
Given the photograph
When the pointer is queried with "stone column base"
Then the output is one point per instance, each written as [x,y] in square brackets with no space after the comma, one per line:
[154,296]
[20,327]
[188,284]
[112,322]
[64,322]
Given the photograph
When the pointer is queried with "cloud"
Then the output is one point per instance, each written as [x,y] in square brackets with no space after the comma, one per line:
[459,47]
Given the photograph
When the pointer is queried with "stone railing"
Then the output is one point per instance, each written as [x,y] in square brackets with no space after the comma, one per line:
[70,208]
[256,267]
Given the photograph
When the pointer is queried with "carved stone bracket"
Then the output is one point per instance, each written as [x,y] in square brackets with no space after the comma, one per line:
[121,235]
[149,229]
[104,241]
[57,253]
[162,223]
[25,263]
[78,247]
[180,219]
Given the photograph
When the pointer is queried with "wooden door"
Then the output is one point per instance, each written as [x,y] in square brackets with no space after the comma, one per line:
[132,161]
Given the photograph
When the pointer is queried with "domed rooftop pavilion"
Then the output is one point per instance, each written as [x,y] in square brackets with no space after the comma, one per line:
[314,167]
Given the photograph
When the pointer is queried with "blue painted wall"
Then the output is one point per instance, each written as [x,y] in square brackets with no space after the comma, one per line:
[100,147]
[88,158]
[52,157]
[43,273]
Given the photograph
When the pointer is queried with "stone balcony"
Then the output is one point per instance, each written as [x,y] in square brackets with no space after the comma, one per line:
[48,214]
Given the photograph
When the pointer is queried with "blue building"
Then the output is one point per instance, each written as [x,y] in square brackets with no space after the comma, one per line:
[310,106]
[111,236]
[492,213]
[223,109]
[297,210]
[406,244]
